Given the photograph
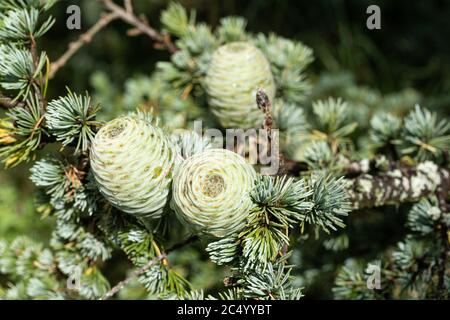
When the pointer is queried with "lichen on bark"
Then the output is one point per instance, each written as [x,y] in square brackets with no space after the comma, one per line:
[402,183]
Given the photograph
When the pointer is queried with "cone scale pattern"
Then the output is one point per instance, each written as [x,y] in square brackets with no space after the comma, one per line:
[211,192]
[132,162]
[236,71]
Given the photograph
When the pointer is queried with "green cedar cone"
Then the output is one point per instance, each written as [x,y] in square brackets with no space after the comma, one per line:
[132,162]
[211,192]
[236,71]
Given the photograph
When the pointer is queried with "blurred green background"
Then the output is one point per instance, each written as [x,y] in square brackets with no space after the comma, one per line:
[410,51]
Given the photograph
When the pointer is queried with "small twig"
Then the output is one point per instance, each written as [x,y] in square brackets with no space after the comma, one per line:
[128,6]
[143,269]
[181,244]
[82,40]
[40,95]
[8,103]
[33,51]
[140,24]
[133,275]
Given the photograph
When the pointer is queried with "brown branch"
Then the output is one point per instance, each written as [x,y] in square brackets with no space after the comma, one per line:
[128,6]
[40,95]
[140,24]
[85,38]
[8,103]
[400,184]
[151,263]
[133,275]
[378,182]
[181,244]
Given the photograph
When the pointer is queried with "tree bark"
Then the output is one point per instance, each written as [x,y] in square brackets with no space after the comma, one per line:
[400,184]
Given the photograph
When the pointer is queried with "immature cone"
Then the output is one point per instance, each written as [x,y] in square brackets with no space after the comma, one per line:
[236,71]
[211,192]
[132,162]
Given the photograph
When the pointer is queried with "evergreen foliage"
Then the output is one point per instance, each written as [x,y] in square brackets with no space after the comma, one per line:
[134,187]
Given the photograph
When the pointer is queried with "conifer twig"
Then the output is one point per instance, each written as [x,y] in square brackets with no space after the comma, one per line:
[40,94]
[133,275]
[82,40]
[144,268]
[128,6]
[401,184]
[373,183]
[140,24]
[181,244]
[8,103]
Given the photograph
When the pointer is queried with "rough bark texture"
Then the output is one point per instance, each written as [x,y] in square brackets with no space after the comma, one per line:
[398,185]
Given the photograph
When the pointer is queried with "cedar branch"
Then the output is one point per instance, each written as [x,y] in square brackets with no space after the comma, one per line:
[148,265]
[85,38]
[401,184]
[135,274]
[8,103]
[140,24]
